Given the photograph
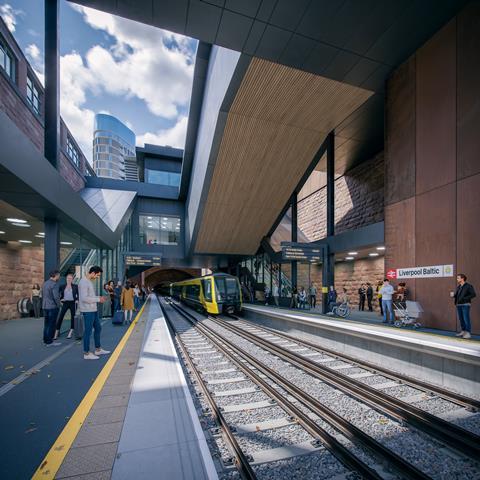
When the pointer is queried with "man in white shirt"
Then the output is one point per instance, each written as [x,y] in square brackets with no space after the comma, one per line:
[87,304]
[387,301]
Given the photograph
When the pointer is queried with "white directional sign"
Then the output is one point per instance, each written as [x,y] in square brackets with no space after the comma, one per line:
[433,271]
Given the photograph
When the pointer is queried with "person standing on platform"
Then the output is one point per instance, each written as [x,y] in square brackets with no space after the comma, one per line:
[275,294]
[87,305]
[313,295]
[69,299]
[302,298]
[331,298]
[51,305]
[294,301]
[387,292]
[369,297]
[379,296]
[36,300]
[137,300]
[127,302]
[362,292]
[117,296]
[266,294]
[463,296]
[111,296]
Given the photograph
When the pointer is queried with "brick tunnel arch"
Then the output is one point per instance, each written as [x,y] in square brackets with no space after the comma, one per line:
[160,278]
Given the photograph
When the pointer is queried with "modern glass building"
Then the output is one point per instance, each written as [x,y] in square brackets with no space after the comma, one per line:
[114,149]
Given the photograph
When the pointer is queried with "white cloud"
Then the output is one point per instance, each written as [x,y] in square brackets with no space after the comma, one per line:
[33,51]
[144,62]
[174,137]
[9,15]
[36,61]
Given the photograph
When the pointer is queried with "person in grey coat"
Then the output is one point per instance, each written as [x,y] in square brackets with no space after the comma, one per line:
[50,305]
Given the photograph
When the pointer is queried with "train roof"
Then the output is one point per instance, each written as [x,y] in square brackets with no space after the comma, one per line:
[216,275]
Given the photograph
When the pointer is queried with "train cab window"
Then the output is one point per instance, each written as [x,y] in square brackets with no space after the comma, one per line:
[207,289]
[220,288]
[232,288]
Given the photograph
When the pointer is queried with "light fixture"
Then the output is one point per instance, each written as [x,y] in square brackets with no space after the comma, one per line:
[349,258]
[2,232]
[16,220]
[353,253]
[25,225]
[65,243]
[373,254]
[25,241]
[380,248]
[41,233]
[149,218]
[40,236]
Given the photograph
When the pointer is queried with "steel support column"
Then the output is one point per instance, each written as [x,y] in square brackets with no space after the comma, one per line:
[52,83]
[328,270]
[51,259]
[294,237]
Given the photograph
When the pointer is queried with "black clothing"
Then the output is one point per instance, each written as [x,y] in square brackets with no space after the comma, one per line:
[464,294]
[74,292]
[361,303]
[369,298]
[67,305]
[37,305]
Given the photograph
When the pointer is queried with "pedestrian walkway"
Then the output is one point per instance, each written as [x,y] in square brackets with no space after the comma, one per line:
[138,419]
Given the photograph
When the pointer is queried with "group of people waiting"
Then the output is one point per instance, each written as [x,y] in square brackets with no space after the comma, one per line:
[56,300]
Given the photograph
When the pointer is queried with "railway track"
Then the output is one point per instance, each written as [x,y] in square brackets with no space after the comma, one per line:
[455,437]
[299,405]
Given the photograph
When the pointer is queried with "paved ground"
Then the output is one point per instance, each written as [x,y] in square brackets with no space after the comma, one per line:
[34,412]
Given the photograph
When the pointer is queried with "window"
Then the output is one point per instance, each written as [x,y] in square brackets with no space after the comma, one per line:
[33,95]
[158,177]
[72,152]
[7,59]
[207,289]
[159,230]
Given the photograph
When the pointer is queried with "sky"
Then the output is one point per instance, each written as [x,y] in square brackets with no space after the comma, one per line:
[140,74]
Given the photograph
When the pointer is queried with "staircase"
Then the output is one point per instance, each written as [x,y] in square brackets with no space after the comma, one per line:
[77,257]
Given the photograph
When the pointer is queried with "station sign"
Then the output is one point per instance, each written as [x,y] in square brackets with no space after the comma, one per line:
[142,259]
[301,252]
[432,271]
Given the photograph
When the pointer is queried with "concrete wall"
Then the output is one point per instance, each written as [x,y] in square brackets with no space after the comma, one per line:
[432,165]
[358,200]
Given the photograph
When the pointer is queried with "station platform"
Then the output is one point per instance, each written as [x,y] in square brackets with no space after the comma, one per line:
[432,357]
[138,419]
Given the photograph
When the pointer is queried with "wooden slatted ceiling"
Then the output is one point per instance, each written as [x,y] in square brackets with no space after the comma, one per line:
[278,120]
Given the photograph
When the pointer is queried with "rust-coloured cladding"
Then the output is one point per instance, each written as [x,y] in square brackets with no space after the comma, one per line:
[468,95]
[435,228]
[436,110]
[468,234]
[400,134]
[400,237]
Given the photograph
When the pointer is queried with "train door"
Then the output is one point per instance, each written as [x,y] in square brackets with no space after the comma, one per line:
[210,304]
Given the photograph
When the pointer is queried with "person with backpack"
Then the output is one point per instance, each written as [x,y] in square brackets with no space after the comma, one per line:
[463,296]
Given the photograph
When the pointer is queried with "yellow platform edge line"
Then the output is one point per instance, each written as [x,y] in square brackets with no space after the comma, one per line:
[57,453]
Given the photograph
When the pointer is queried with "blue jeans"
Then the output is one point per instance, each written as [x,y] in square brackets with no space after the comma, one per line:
[388,306]
[463,312]
[49,323]
[137,302]
[91,320]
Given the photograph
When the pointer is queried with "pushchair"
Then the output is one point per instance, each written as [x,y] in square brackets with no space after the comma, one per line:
[407,313]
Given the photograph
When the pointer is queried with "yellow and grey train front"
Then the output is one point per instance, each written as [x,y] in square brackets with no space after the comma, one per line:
[216,293]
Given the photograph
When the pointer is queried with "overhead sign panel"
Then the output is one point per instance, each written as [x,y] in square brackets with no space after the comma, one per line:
[432,271]
[301,252]
[143,259]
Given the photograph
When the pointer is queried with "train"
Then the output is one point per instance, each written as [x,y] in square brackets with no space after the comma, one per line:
[216,293]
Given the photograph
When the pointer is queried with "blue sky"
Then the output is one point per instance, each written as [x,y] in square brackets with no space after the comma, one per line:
[140,74]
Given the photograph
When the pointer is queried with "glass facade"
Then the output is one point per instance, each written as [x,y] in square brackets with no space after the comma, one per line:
[72,152]
[7,60]
[114,149]
[159,230]
[159,177]
[33,95]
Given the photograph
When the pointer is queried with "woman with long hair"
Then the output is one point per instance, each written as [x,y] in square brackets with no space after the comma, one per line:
[127,302]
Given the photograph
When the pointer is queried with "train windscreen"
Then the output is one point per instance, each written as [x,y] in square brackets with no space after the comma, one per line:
[227,288]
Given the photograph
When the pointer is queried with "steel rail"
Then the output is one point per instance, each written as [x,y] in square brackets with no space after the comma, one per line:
[462,400]
[241,461]
[349,430]
[455,437]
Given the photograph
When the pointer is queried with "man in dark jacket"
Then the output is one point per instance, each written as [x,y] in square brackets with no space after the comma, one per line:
[463,300]
[369,297]
[362,292]
[50,305]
